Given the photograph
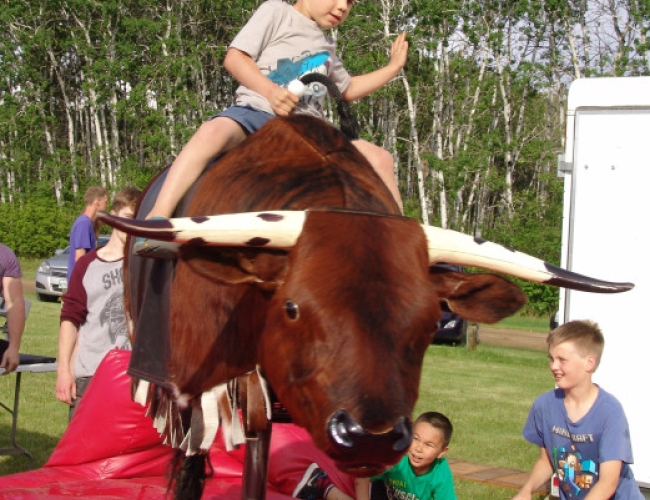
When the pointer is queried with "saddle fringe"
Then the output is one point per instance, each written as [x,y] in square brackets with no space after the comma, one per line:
[194,432]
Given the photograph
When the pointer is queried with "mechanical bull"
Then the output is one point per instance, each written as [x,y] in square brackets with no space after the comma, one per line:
[294,260]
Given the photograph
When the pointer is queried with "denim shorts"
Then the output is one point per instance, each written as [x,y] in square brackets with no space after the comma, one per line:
[249,118]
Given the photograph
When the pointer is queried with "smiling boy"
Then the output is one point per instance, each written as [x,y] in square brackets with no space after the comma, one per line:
[422,474]
[280,43]
[581,430]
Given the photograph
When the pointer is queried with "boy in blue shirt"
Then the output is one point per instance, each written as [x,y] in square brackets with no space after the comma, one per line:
[581,430]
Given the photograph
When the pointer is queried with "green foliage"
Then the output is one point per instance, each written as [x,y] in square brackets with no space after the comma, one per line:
[35,229]
[542,299]
[535,230]
[109,92]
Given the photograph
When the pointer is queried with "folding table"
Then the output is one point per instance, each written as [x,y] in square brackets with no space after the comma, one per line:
[33,364]
[28,363]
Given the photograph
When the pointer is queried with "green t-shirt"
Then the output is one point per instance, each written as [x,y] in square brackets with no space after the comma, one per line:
[402,483]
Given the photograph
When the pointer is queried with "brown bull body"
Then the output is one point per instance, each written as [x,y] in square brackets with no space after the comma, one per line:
[339,323]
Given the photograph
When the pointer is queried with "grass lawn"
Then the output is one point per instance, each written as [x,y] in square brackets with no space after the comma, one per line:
[42,417]
[486,393]
[524,323]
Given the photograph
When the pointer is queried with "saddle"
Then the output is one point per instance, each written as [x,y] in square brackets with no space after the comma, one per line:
[150,305]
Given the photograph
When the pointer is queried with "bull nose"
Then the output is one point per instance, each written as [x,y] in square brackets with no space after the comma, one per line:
[345,432]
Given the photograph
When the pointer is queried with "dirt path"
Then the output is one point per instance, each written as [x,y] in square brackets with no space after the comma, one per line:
[513,338]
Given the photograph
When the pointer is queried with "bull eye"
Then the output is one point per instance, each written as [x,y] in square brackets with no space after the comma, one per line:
[292,310]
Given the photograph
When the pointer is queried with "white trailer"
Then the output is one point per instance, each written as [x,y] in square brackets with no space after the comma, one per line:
[606,170]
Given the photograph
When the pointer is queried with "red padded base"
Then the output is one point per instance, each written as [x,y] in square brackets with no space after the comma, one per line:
[111,450]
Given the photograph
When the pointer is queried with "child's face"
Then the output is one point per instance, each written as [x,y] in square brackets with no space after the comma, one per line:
[126,212]
[428,444]
[570,367]
[326,13]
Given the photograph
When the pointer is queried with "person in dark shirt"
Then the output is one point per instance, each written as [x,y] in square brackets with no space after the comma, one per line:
[92,316]
[13,302]
[82,234]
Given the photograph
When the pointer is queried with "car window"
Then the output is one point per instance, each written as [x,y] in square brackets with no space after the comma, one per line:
[102,239]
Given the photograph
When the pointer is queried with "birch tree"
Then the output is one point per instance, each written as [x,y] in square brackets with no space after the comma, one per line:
[108,92]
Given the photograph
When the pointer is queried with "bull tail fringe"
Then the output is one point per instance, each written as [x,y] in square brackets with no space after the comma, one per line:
[187,475]
[348,122]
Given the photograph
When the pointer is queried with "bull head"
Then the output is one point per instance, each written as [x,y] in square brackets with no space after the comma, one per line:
[362,437]
[392,303]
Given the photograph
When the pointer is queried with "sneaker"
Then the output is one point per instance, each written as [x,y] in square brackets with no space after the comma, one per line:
[155,248]
[313,485]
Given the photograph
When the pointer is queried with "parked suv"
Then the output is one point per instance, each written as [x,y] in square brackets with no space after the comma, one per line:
[452,328]
[51,280]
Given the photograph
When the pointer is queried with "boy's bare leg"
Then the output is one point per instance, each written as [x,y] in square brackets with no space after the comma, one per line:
[382,161]
[336,494]
[213,137]
[362,488]
[361,491]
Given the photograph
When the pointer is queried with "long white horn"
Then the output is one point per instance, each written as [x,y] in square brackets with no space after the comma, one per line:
[461,249]
[272,229]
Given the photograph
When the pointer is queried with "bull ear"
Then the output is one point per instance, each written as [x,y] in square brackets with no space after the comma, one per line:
[269,267]
[237,266]
[484,298]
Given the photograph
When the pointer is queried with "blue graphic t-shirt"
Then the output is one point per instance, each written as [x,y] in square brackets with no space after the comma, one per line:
[578,448]
[286,45]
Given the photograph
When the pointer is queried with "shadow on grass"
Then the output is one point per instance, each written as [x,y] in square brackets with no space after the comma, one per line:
[39,445]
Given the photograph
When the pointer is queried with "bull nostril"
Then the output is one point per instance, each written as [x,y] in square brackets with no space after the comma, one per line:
[342,427]
[345,432]
[405,429]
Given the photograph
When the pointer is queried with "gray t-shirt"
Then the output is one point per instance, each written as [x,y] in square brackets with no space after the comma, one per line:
[94,303]
[286,45]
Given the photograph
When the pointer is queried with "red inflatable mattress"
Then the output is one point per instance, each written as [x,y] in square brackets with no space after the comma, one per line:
[111,450]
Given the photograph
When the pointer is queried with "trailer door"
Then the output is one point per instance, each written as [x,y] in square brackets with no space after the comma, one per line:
[608,223]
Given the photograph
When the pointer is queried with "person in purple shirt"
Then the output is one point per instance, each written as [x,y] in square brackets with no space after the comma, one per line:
[13,302]
[82,234]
